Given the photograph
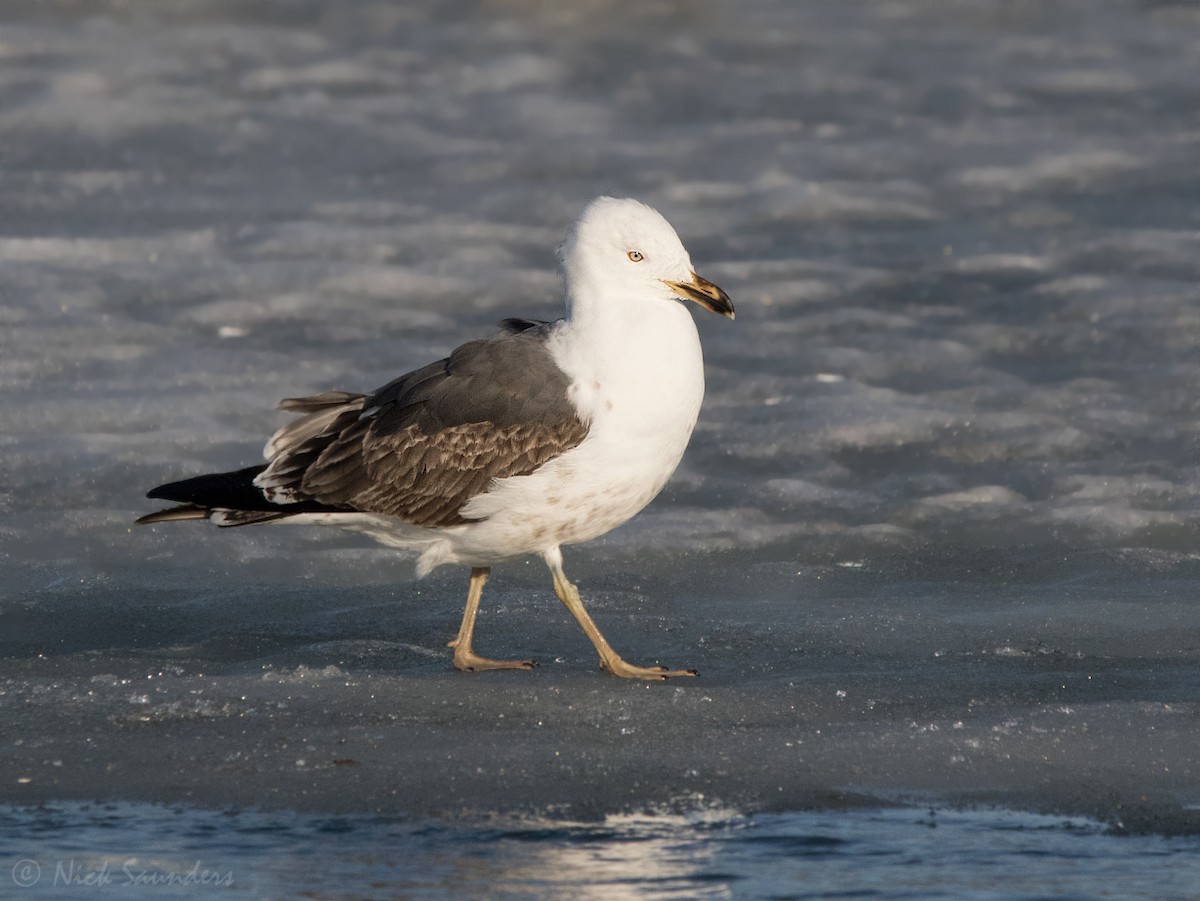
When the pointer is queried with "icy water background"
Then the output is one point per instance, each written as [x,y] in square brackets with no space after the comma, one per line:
[933,549]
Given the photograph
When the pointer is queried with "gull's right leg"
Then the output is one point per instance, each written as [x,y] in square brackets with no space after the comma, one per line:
[610,660]
[464,658]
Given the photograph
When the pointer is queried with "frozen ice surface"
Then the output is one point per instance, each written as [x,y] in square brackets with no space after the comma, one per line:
[936,536]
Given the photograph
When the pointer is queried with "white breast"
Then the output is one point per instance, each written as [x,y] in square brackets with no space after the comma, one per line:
[641,393]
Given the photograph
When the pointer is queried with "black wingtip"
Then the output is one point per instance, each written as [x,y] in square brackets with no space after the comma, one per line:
[159,493]
[235,490]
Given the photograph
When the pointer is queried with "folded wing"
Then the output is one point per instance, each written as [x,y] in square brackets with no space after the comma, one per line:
[419,448]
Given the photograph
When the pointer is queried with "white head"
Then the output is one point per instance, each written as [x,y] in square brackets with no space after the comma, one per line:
[620,248]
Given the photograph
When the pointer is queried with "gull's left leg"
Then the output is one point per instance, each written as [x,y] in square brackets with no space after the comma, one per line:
[610,660]
[464,658]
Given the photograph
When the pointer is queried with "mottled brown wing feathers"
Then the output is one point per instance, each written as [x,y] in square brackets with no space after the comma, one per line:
[422,446]
[426,479]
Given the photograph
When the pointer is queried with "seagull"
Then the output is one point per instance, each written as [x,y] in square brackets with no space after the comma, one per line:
[543,435]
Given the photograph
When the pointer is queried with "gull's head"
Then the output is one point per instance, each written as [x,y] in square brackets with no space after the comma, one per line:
[620,249]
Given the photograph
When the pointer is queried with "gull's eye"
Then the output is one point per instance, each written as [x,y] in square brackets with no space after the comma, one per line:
[635,256]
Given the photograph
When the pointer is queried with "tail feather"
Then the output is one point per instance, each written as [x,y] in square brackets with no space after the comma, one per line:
[232,496]
[174,514]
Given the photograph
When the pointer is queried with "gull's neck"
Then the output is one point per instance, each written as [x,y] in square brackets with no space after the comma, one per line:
[618,345]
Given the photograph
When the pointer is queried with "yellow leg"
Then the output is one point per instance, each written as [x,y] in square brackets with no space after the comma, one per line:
[464,658]
[610,660]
